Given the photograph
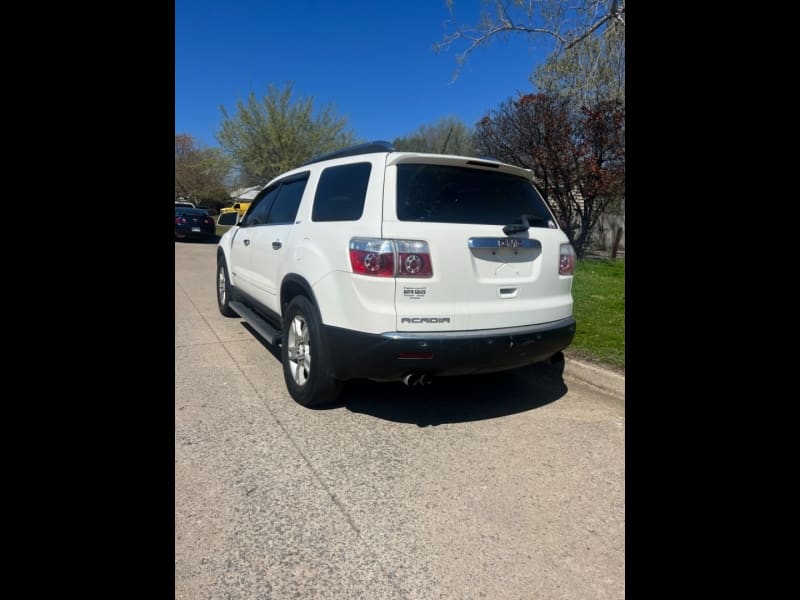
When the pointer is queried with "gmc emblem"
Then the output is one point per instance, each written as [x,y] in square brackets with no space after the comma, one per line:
[417,320]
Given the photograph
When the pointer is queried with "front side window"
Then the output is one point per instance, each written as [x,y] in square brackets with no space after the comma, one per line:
[452,194]
[341,193]
[259,209]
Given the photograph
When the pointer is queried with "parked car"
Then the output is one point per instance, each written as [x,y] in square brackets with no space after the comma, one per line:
[193,223]
[399,266]
[183,204]
[228,219]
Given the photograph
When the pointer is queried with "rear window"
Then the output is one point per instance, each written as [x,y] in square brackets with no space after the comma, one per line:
[194,212]
[341,192]
[449,194]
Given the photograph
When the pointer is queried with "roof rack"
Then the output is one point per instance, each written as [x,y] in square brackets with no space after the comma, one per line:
[369,147]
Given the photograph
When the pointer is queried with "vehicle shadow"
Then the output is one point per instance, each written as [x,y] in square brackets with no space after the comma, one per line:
[449,399]
[458,399]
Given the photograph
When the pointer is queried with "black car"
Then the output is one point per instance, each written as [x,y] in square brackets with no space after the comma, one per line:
[194,223]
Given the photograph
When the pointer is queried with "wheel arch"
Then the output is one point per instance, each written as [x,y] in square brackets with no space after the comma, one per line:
[295,285]
[224,247]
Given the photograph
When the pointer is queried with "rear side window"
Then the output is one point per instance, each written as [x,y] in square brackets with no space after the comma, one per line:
[341,192]
[450,194]
[284,210]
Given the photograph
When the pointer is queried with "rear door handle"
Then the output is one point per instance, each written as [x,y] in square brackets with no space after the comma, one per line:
[246,242]
[276,245]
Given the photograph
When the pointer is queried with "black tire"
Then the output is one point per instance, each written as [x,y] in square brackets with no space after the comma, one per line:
[224,289]
[309,382]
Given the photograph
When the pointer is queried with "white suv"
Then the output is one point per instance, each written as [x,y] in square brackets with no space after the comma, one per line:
[371,263]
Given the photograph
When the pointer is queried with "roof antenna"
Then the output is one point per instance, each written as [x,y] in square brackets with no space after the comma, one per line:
[445,141]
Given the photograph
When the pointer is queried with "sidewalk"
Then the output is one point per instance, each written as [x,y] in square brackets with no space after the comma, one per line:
[604,379]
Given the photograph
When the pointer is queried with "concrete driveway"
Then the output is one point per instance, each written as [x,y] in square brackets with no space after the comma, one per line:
[503,486]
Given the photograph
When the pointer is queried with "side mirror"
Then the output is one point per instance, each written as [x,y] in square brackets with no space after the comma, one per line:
[228,219]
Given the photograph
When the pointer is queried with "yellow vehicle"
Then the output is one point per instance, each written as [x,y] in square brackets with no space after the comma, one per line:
[241,207]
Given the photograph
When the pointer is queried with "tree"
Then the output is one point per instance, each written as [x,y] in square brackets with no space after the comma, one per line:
[448,135]
[585,74]
[590,71]
[577,157]
[200,172]
[272,135]
[560,24]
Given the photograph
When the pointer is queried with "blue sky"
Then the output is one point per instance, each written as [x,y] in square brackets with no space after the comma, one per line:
[373,60]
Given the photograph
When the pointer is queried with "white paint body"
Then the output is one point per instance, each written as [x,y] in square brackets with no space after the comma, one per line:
[471,289]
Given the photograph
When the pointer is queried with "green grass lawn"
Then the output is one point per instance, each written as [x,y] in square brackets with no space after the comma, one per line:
[599,292]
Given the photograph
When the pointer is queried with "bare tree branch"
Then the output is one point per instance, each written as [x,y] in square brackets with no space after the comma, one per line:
[594,28]
[567,25]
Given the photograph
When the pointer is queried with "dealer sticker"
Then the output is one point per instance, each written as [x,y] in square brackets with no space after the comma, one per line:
[414,293]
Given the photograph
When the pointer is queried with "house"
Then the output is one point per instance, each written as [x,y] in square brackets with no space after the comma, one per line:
[246,193]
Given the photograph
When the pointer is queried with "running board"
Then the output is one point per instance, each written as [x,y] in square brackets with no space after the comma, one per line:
[267,331]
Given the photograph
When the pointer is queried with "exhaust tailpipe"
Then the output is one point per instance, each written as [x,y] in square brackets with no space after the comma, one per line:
[414,379]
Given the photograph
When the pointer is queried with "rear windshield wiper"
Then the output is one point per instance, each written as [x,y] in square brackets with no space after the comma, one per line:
[527,220]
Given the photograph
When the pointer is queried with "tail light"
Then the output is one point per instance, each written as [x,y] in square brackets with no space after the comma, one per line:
[180,220]
[209,221]
[372,257]
[390,258]
[566,260]
[413,259]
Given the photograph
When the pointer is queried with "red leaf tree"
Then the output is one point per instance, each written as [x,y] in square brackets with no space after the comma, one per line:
[577,155]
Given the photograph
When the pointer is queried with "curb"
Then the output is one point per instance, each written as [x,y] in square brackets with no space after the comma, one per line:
[608,381]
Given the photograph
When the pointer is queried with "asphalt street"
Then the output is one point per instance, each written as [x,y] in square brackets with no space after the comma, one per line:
[510,485]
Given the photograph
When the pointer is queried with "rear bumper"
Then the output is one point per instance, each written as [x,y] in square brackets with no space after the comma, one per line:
[363,355]
[185,231]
